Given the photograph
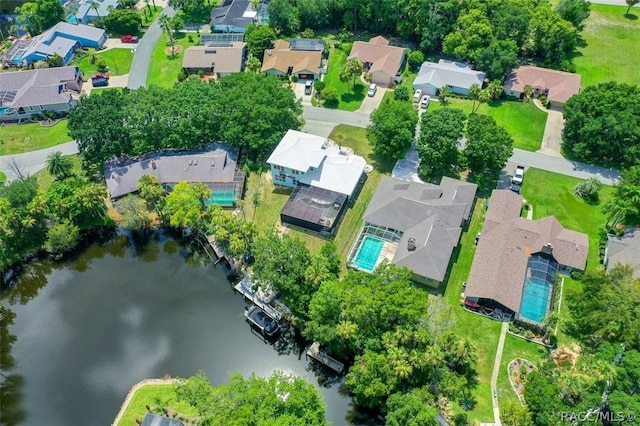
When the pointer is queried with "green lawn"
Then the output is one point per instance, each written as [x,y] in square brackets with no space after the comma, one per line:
[18,138]
[552,194]
[3,178]
[118,61]
[349,99]
[149,14]
[611,43]
[156,396]
[164,69]
[523,120]
[407,80]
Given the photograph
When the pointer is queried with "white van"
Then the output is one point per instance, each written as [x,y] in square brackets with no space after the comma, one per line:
[417,95]
[372,90]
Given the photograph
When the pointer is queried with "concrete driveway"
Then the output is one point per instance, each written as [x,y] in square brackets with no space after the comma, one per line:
[372,102]
[552,139]
[298,89]
[114,81]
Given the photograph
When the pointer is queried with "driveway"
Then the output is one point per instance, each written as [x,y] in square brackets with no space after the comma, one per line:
[142,57]
[114,81]
[372,102]
[298,89]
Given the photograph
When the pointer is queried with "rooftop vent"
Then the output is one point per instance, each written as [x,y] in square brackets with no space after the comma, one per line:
[411,244]
[547,249]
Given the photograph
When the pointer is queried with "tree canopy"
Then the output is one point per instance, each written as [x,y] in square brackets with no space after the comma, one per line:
[602,125]
[259,38]
[39,15]
[279,399]
[392,128]
[438,146]
[489,146]
[246,110]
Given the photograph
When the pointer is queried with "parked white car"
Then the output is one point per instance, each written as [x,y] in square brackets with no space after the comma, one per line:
[372,90]
[424,102]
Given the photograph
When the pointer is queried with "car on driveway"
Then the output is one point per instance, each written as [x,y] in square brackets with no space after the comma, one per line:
[515,187]
[308,87]
[128,38]
[100,82]
[417,95]
[372,90]
[100,75]
[424,102]
[518,175]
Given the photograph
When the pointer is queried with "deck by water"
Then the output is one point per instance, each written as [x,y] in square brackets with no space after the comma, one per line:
[315,353]
[260,299]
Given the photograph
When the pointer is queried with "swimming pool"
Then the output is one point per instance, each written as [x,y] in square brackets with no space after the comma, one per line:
[535,300]
[368,254]
[222,198]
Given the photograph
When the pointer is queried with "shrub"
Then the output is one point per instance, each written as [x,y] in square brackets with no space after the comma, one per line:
[344,36]
[401,93]
[182,75]
[190,38]
[588,190]
[346,47]
[319,86]
[308,33]
[330,94]
[367,77]
[294,78]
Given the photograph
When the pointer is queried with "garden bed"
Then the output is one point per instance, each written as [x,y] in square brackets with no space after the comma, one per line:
[519,368]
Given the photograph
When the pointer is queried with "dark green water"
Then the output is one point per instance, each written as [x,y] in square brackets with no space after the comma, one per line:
[86,330]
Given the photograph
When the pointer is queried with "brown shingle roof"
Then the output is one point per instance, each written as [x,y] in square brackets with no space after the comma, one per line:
[281,57]
[226,59]
[378,53]
[506,243]
[561,85]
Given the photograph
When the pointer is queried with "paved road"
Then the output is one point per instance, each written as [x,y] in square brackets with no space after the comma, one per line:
[142,57]
[32,162]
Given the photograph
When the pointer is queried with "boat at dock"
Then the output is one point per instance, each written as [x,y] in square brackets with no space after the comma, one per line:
[267,325]
[258,297]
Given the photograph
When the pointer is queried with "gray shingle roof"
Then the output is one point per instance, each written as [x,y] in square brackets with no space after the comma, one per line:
[233,12]
[625,250]
[430,214]
[39,87]
[154,420]
[224,60]
[506,243]
[214,165]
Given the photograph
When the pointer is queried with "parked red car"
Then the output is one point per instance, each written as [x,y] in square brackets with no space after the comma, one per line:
[100,75]
[129,38]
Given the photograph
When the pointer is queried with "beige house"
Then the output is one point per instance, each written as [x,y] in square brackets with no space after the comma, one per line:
[383,62]
[286,59]
[557,86]
[215,60]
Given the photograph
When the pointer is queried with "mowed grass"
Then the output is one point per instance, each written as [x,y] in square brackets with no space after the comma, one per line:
[481,331]
[155,396]
[552,194]
[19,138]
[149,14]
[611,40]
[523,120]
[118,60]
[349,99]
[164,68]
[45,179]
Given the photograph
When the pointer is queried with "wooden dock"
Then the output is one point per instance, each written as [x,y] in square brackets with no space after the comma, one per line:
[315,353]
[260,299]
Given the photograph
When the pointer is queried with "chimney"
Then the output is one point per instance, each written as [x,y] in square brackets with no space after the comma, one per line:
[411,244]
[547,249]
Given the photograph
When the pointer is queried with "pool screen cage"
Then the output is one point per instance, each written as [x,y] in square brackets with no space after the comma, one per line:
[226,194]
[390,237]
[542,270]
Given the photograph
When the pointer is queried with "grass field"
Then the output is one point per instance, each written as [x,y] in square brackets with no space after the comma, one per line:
[552,194]
[45,179]
[153,395]
[149,14]
[349,99]
[3,178]
[164,69]
[118,61]
[611,43]
[18,138]
[523,120]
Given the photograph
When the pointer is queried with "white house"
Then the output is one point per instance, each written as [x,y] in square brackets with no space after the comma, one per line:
[315,161]
[457,75]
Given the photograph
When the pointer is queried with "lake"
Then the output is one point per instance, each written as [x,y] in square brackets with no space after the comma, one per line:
[87,329]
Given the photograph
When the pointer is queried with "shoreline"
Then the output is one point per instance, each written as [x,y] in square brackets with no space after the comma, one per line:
[135,389]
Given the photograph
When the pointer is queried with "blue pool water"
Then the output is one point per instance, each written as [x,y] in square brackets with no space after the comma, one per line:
[222,198]
[535,297]
[369,253]
[72,19]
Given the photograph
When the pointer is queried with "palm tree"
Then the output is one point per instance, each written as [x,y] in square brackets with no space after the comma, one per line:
[165,22]
[58,165]
[474,92]
[149,7]
[528,92]
[95,6]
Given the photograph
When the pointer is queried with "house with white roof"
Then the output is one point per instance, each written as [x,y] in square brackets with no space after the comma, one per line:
[63,39]
[87,13]
[324,175]
[457,76]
